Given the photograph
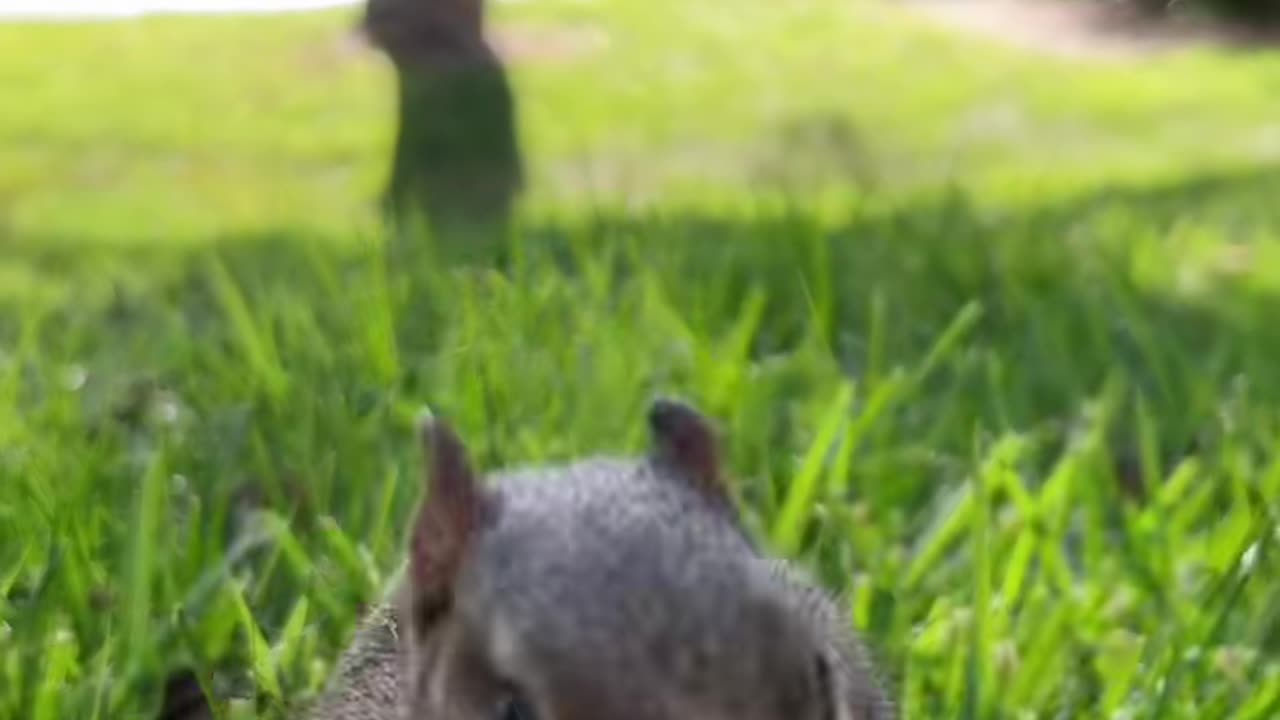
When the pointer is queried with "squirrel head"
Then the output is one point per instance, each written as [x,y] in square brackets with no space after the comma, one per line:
[618,589]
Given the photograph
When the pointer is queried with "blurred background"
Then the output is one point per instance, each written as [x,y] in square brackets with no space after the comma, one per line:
[983,294]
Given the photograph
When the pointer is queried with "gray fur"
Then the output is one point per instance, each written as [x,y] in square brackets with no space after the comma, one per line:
[365,684]
[607,588]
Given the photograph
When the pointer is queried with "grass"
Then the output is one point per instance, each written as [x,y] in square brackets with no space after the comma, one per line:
[991,337]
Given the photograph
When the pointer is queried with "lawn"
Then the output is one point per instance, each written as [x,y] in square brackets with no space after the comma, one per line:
[991,336]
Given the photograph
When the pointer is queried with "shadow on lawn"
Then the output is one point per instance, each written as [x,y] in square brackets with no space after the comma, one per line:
[1063,300]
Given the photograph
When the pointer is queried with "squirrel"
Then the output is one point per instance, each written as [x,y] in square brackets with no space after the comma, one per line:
[608,588]
[457,155]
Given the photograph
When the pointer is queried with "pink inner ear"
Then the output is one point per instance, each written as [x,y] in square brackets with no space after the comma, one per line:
[434,552]
[697,452]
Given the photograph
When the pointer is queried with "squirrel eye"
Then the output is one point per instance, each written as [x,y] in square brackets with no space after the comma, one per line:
[515,707]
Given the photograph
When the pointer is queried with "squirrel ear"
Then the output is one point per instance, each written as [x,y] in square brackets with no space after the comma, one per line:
[685,439]
[448,517]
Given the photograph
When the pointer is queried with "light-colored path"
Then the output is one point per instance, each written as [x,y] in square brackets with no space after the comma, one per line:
[1088,30]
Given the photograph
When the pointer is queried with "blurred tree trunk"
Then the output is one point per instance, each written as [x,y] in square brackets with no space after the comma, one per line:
[457,159]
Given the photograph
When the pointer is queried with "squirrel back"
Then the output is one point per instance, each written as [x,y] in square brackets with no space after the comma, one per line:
[614,588]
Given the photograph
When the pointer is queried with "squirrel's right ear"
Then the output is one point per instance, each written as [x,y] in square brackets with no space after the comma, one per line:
[447,519]
[685,440]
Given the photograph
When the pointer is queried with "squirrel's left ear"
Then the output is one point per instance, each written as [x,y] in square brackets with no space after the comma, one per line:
[685,440]
[446,521]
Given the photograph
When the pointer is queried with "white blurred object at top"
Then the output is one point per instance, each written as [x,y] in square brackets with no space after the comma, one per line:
[77,9]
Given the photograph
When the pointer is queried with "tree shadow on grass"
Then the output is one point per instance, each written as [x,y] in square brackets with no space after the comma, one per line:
[1069,294]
